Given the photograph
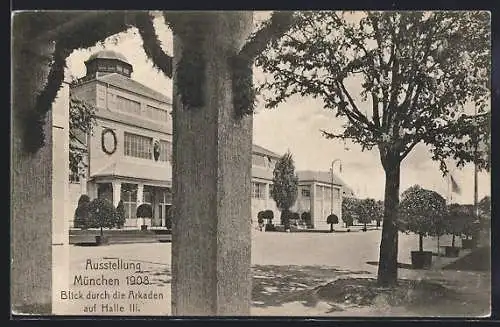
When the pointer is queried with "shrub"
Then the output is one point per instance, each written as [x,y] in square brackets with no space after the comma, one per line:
[102,214]
[332,219]
[269,215]
[144,211]
[81,217]
[260,217]
[306,218]
[120,215]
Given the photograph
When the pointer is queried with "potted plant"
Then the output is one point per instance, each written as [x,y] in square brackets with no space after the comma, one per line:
[102,214]
[306,218]
[260,220]
[366,212]
[332,219]
[144,211]
[456,219]
[269,216]
[420,212]
[470,227]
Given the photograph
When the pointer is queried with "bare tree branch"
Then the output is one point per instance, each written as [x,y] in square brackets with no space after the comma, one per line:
[356,112]
[409,148]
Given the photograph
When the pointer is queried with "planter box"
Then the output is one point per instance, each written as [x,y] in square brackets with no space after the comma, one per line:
[467,244]
[101,240]
[451,251]
[421,259]
[270,228]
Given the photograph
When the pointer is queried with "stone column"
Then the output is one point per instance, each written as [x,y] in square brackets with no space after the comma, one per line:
[60,197]
[313,204]
[31,180]
[211,237]
[140,196]
[117,188]
[140,193]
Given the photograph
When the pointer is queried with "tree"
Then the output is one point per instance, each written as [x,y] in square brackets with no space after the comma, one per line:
[457,220]
[415,72]
[102,214]
[81,217]
[349,210]
[285,185]
[485,207]
[120,214]
[332,219]
[379,212]
[421,212]
[367,211]
[81,122]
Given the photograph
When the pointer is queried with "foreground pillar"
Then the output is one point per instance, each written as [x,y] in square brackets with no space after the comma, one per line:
[31,180]
[60,197]
[211,237]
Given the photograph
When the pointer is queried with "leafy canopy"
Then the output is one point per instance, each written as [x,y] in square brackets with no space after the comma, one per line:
[396,78]
[285,182]
[459,218]
[421,211]
[102,214]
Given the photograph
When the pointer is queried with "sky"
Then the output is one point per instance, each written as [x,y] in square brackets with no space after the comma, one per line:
[296,126]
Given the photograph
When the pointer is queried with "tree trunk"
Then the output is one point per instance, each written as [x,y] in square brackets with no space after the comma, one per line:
[331,227]
[453,240]
[101,232]
[388,257]
[420,242]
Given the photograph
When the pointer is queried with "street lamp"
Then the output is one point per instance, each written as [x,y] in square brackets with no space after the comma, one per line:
[340,169]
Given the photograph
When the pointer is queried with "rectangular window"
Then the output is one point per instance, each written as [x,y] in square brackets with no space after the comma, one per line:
[258,190]
[306,192]
[336,193]
[319,192]
[156,114]
[137,146]
[327,193]
[258,160]
[165,151]
[129,198]
[128,106]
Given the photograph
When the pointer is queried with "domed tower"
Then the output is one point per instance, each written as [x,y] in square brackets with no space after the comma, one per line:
[107,62]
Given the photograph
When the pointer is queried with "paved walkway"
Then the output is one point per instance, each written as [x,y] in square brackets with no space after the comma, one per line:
[286,266]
